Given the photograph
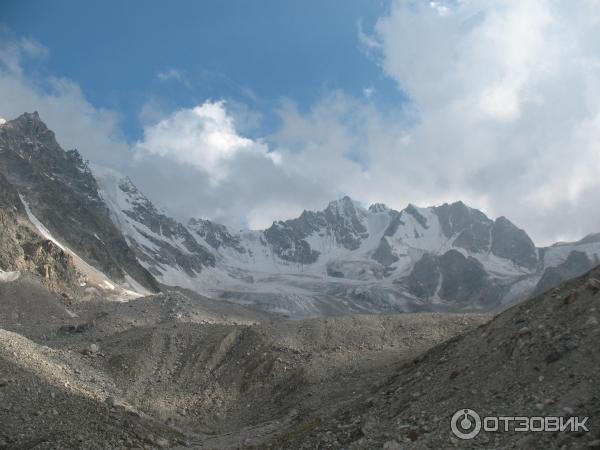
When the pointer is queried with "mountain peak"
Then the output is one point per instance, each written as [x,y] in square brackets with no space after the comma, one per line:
[378,208]
[34,115]
[343,206]
[343,200]
[30,118]
[31,124]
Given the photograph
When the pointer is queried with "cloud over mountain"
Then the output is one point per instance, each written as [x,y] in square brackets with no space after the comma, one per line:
[503,112]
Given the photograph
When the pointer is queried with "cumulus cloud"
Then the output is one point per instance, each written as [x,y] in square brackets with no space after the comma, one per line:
[504,114]
[60,102]
[216,172]
[508,102]
[194,162]
[203,136]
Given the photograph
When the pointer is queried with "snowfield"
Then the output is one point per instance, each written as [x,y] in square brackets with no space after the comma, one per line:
[365,258]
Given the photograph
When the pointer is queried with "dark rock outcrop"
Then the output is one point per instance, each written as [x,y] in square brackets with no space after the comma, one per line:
[577,263]
[383,253]
[452,277]
[215,235]
[512,243]
[63,195]
[340,221]
[22,249]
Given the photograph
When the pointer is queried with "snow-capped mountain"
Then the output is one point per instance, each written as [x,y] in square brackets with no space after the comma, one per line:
[60,196]
[164,246]
[562,261]
[343,259]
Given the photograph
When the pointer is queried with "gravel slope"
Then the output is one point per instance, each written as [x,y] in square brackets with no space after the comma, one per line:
[541,358]
[175,370]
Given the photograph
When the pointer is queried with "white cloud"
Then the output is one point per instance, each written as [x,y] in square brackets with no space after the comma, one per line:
[197,163]
[61,104]
[504,115]
[171,74]
[508,100]
[204,136]
[193,162]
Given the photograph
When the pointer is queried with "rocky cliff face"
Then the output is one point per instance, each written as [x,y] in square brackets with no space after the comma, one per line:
[341,223]
[475,232]
[62,193]
[23,250]
[215,235]
[563,261]
[455,277]
[163,246]
[577,263]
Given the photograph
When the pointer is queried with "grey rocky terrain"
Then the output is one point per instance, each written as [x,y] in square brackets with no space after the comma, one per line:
[179,371]
[176,370]
[540,358]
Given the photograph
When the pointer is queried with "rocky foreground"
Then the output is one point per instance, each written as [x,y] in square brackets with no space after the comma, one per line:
[541,358]
[181,371]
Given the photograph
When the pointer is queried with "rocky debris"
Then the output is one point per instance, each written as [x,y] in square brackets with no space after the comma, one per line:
[161,442]
[79,328]
[47,405]
[593,285]
[132,375]
[571,297]
[162,377]
[542,361]
[90,349]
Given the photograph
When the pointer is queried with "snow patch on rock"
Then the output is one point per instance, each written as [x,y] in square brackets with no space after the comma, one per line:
[8,277]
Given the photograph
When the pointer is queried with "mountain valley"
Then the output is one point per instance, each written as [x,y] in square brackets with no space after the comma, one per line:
[347,328]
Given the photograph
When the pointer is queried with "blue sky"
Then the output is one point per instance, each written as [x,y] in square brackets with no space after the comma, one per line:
[254,52]
[245,112]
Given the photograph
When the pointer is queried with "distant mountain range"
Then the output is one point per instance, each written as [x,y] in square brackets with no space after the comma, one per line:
[343,259]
